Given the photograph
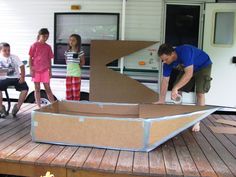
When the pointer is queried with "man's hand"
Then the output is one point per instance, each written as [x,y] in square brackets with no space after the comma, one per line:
[159,102]
[174,94]
[21,80]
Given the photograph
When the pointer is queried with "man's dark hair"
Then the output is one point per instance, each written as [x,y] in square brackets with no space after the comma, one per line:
[165,49]
[4,44]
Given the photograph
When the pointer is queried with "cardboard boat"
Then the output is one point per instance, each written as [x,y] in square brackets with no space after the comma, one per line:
[136,127]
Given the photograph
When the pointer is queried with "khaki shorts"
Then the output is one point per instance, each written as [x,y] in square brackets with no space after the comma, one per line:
[201,80]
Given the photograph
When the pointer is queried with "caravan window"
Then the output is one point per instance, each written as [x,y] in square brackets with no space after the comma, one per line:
[182,24]
[224,28]
[89,26]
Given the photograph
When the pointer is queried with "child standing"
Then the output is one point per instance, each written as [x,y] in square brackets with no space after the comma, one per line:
[74,60]
[11,64]
[40,65]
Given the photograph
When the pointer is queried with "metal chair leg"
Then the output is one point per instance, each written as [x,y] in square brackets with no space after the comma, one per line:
[8,102]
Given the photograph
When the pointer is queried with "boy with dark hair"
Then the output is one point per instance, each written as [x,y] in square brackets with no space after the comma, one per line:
[12,64]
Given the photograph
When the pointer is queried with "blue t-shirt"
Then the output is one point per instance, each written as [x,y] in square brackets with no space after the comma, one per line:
[188,55]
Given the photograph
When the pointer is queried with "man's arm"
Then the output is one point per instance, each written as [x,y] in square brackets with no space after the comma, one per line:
[188,73]
[22,74]
[163,90]
[30,66]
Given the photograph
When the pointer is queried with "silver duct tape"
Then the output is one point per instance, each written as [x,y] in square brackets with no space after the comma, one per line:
[32,131]
[81,119]
[90,145]
[146,135]
[208,111]
[92,117]
[177,100]
[103,103]
[35,124]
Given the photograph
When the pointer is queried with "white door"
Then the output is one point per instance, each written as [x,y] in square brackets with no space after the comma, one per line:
[220,43]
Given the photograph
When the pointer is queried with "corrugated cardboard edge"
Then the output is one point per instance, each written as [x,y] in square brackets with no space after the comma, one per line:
[107,85]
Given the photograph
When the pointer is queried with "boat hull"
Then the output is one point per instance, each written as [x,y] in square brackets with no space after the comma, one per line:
[136,127]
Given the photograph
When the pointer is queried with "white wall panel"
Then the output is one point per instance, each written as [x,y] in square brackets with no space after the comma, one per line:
[21,20]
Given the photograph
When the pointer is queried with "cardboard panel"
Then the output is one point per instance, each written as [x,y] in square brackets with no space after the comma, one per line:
[162,129]
[88,131]
[161,110]
[110,86]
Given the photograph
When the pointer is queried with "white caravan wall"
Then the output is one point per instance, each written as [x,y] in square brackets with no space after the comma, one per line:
[21,20]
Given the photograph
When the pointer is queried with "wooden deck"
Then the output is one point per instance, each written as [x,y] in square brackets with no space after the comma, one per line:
[188,154]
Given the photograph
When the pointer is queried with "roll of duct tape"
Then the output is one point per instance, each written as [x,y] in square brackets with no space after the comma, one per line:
[178,100]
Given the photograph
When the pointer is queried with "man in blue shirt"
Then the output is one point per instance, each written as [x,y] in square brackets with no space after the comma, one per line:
[195,68]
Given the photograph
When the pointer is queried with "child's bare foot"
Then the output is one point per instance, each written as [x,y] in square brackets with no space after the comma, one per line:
[196,127]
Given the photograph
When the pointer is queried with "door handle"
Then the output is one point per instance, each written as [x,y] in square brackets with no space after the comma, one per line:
[234,59]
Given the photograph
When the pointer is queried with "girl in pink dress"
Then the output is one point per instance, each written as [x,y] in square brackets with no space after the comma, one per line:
[40,65]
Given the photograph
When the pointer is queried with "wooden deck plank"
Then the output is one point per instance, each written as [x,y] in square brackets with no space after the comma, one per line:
[35,154]
[232,117]
[64,156]
[171,160]
[217,164]
[21,152]
[11,138]
[187,164]
[156,162]
[125,162]
[109,161]
[94,159]
[14,146]
[6,121]
[221,150]
[26,108]
[223,138]
[92,173]
[13,128]
[14,123]
[231,138]
[29,170]
[141,164]
[203,165]
[79,158]
[49,155]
